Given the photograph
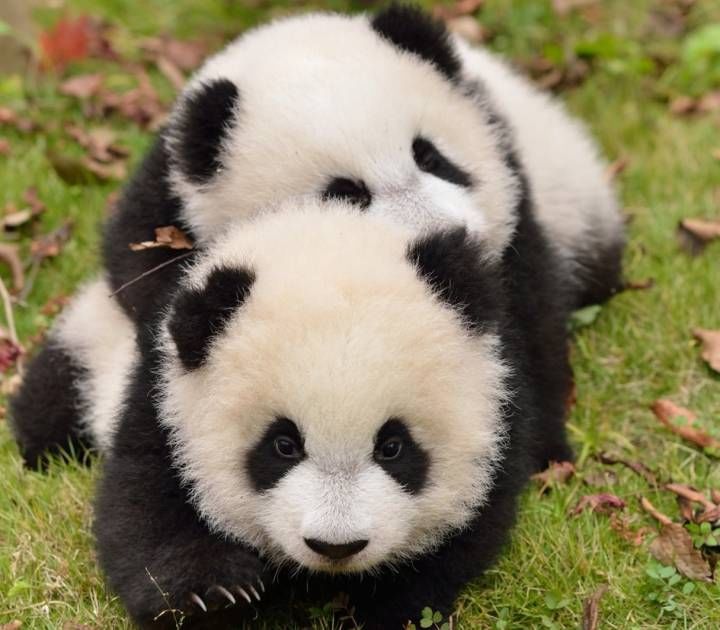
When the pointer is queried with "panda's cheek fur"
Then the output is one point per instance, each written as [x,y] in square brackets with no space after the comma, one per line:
[337,507]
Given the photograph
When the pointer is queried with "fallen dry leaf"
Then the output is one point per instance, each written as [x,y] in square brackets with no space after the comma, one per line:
[682,105]
[13,625]
[674,547]
[639,285]
[15,218]
[99,143]
[30,197]
[715,495]
[168,236]
[709,516]
[654,512]
[637,467]
[709,102]
[710,346]
[141,104]
[600,503]
[459,8]
[68,40]
[557,472]
[83,170]
[620,524]
[563,7]
[4,146]
[468,28]
[591,608]
[10,254]
[11,118]
[618,167]
[666,411]
[184,54]
[687,511]
[51,244]
[82,86]
[600,478]
[690,494]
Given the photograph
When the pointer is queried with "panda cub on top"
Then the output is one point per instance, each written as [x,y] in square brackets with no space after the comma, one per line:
[333,403]
[387,112]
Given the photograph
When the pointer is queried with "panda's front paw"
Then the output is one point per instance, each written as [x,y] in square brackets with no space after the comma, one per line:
[218,596]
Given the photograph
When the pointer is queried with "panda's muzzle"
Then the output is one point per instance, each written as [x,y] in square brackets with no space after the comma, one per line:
[336,552]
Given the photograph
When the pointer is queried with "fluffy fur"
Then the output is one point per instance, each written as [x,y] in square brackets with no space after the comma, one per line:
[389,113]
[356,332]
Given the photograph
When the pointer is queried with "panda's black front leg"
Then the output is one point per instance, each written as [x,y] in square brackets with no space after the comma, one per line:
[159,556]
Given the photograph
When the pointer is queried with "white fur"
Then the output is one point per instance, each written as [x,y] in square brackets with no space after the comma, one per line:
[573,199]
[101,339]
[339,334]
[323,96]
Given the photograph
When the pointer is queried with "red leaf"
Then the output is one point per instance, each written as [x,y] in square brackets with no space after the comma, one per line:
[68,40]
[666,411]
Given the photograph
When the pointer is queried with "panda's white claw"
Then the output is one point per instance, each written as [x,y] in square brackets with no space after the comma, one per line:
[262,586]
[254,592]
[228,595]
[244,593]
[195,598]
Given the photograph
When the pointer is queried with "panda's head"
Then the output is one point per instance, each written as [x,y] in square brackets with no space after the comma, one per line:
[375,111]
[333,388]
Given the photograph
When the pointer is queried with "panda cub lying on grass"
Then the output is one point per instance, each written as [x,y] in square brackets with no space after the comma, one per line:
[334,399]
[347,391]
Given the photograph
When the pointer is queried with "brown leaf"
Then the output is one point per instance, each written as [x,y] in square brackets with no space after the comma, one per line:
[591,609]
[99,142]
[68,40]
[30,197]
[10,254]
[183,54]
[4,146]
[600,503]
[82,86]
[674,547]
[171,72]
[15,218]
[458,9]
[666,411]
[639,285]
[600,478]
[637,467]
[13,625]
[686,509]
[11,118]
[563,7]
[709,102]
[690,494]
[83,170]
[468,28]
[51,244]
[141,105]
[620,523]
[683,105]
[557,472]
[710,346]
[617,168]
[168,236]
[709,516]
[654,512]
[715,495]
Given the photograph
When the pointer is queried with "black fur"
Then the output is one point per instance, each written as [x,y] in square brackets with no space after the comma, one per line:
[412,30]
[203,123]
[410,468]
[600,272]
[144,514]
[430,160]
[264,466]
[44,413]
[355,192]
[201,315]
[146,203]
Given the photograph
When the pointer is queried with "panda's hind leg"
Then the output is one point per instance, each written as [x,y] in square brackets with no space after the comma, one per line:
[45,411]
[72,389]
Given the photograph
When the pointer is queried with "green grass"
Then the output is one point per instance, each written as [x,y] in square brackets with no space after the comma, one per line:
[639,349]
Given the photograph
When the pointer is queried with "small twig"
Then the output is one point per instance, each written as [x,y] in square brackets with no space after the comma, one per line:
[10,319]
[654,512]
[690,494]
[122,287]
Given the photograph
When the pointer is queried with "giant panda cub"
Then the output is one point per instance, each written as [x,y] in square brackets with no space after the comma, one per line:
[387,112]
[333,403]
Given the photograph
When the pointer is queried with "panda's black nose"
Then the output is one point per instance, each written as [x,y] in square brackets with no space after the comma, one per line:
[336,552]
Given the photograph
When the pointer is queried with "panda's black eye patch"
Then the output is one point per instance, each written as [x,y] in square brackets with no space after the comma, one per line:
[355,192]
[278,450]
[429,160]
[400,456]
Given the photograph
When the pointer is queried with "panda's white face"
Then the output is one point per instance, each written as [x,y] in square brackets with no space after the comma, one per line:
[323,106]
[344,417]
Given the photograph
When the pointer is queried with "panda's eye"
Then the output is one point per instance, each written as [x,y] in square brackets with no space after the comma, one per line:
[389,449]
[353,191]
[287,448]
[429,160]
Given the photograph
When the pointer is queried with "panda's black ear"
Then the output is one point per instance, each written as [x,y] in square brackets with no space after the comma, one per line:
[411,29]
[202,123]
[199,315]
[453,264]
